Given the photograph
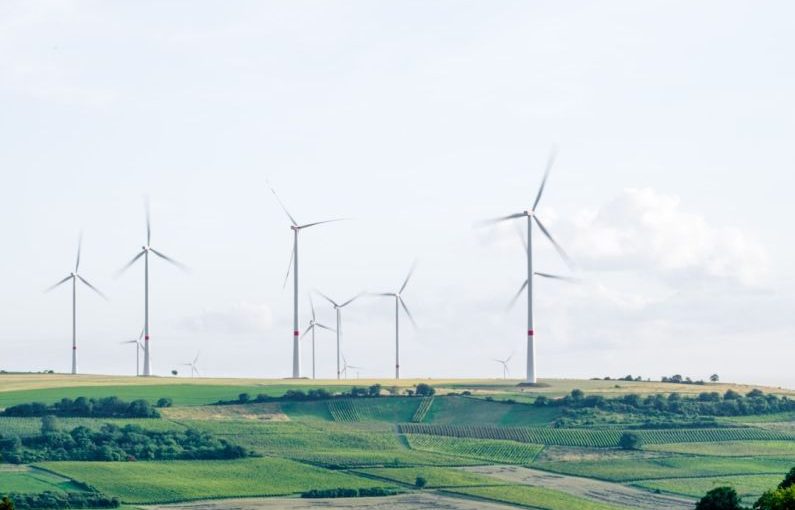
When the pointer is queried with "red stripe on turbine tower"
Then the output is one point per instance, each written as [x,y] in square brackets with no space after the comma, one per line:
[146,338]
[295,333]
[74,347]
[530,332]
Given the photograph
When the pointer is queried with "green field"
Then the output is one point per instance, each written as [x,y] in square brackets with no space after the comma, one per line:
[25,479]
[159,482]
[389,441]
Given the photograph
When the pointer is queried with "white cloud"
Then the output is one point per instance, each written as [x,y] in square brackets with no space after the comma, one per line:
[648,231]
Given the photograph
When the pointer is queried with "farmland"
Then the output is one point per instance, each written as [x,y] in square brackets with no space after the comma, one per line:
[472,444]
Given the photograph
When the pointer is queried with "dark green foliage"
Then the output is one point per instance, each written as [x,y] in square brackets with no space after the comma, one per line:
[6,504]
[49,424]
[107,407]
[577,394]
[630,441]
[374,390]
[164,402]
[541,401]
[59,500]
[420,482]
[113,443]
[349,493]
[779,499]
[720,498]
[789,480]
[424,390]
[243,398]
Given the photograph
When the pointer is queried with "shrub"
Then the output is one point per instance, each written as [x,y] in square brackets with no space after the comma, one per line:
[630,441]
[420,482]
[164,402]
[720,498]
[424,390]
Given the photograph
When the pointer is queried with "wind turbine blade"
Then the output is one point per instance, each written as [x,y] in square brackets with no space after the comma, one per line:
[148,222]
[508,358]
[408,277]
[550,162]
[141,336]
[520,233]
[558,248]
[406,309]
[79,249]
[48,289]
[93,288]
[169,259]
[196,359]
[307,330]
[351,300]
[333,303]
[312,306]
[382,294]
[127,266]
[289,266]
[516,296]
[501,218]
[129,342]
[557,277]
[321,222]
[295,223]
[324,327]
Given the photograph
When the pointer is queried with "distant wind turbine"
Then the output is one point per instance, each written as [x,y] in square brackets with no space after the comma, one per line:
[398,303]
[338,309]
[75,276]
[145,250]
[504,363]
[138,348]
[313,324]
[346,366]
[295,227]
[194,370]
[531,216]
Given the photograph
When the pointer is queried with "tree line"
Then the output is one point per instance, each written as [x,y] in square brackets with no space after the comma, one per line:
[114,443]
[106,407]
[376,390]
[58,500]
[726,498]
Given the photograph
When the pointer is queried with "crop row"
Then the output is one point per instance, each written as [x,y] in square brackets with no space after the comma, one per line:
[343,410]
[495,450]
[605,438]
[422,409]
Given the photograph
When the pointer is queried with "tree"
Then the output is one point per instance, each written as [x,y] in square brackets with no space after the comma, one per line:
[577,394]
[164,402]
[630,441]
[243,398]
[714,378]
[374,390]
[779,499]
[174,372]
[424,390]
[789,480]
[420,482]
[6,504]
[720,498]
[49,424]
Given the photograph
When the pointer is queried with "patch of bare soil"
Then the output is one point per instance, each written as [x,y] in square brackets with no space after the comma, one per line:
[606,492]
[412,501]
[267,411]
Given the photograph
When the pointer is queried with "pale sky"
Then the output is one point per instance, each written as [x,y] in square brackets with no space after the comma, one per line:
[672,191]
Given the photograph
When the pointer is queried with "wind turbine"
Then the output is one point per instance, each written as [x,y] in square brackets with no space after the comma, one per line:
[145,250]
[398,303]
[138,348]
[75,276]
[313,323]
[346,366]
[531,216]
[193,369]
[295,227]
[504,363]
[338,309]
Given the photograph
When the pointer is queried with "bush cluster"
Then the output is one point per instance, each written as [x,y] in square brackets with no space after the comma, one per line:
[421,390]
[107,407]
[58,500]
[726,498]
[341,492]
[113,443]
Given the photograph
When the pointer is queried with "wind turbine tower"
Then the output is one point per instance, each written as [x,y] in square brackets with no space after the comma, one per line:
[398,303]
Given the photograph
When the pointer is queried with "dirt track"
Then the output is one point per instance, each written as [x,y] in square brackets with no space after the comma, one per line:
[607,492]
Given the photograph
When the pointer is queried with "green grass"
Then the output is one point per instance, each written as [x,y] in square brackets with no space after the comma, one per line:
[747,486]
[163,482]
[476,411]
[535,497]
[25,479]
[668,467]
[490,450]
[731,449]
[437,477]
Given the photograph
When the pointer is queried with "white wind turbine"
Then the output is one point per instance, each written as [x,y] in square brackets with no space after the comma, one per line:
[194,370]
[313,324]
[398,303]
[504,363]
[138,348]
[295,227]
[531,216]
[338,309]
[346,366]
[75,276]
[145,250]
